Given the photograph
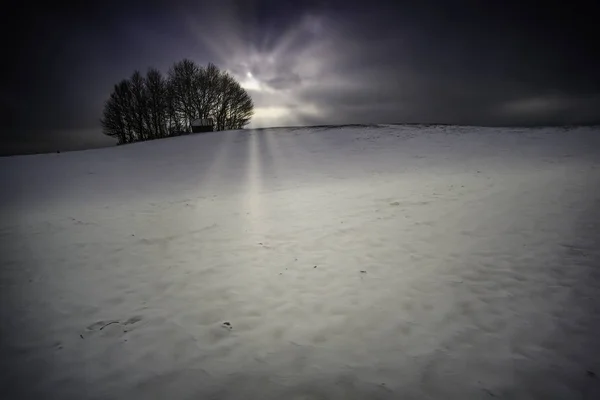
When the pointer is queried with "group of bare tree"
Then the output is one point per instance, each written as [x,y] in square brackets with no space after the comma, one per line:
[154,106]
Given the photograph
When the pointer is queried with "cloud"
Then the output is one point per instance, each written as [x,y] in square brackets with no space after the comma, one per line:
[552,109]
[318,62]
[28,141]
[284,81]
[376,64]
[537,105]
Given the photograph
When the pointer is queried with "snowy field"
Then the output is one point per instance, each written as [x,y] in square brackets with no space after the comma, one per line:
[365,262]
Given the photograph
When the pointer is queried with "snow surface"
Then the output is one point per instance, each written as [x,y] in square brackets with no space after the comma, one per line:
[375,262]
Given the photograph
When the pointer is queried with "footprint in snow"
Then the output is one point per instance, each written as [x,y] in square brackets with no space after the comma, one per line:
[101,325]
[227,325]
[133,320]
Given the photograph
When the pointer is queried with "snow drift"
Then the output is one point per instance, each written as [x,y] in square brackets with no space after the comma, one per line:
[365,262]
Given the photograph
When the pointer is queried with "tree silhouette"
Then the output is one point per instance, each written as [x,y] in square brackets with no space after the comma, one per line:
[156,87]
[138,104]
[155,106]
[118,119]
[184,79]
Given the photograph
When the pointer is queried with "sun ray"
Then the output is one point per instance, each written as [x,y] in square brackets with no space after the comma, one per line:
[220,157]
[254,177]
[278,74]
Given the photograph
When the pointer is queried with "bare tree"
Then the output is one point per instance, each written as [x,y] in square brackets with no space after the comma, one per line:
[112,120]
[207,90]
[142,108]
[174,120]
[184,78]
[140,105]
[118,116]
[241,107]
[123,93]
[234,107]
[156,89]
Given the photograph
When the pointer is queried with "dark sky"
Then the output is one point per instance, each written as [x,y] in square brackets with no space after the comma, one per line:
[306,61]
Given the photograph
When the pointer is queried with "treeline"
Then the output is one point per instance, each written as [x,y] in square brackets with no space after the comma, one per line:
[154,106]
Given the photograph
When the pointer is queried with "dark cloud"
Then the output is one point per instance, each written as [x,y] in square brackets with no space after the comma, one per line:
[452,62]
[312,61]
[284,81]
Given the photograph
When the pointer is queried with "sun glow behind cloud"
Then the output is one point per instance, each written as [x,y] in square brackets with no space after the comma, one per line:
[250,83]
[277,71]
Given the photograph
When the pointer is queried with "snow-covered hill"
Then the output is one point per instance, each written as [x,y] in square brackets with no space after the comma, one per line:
[364,262]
